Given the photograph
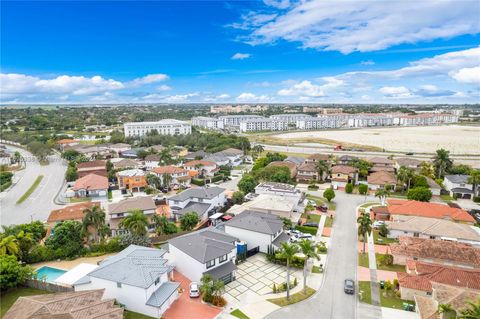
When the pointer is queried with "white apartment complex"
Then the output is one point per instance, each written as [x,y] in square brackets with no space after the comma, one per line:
[210,123]
[235,120]
[163,127]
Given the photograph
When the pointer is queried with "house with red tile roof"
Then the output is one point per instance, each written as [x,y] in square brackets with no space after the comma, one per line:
[93,167]
[381,180]
[91,185]
[425,209]
[343,174]
[71,212]
[421,276]
[178,175]
[203,167]
[66,142]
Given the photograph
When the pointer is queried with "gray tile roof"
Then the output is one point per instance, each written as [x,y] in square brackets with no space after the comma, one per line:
[158,298]
[199,208]
[283,237]
[200,192]
[204,245]
[221,271]
[216,158]
[142,202]
[457,179]
[135,266]
[295,159]
[257,222]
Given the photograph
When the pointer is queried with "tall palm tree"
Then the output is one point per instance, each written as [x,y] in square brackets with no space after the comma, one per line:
[165,157]
[382,194]
[288,251]
[258,149]
[405,175]
[94,218]
[474,179]
[442,162]
[153,180]
[136,222]
[447,311]
[310,251]
[472,311]
[9,246]
[322,167]
[364,227]
[167,180]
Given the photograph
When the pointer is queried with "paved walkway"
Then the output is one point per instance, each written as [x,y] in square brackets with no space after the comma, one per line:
[373,271]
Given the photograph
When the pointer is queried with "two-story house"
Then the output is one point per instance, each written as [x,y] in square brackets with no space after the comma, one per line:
[342,175]
[133,180]
[204,201]
[306,172]
[177,175]
[203,167]
[118,211]
[234,156]
[93,167]
[458,186]
[207,251]
[139,278]
[152,161]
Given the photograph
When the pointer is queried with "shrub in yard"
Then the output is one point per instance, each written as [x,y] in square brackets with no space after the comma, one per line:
[329,194]
[386,259]
[476,199]
[307,230]
[219,301]
[198,182]
[383,230]
[422,194]
[349,188]
[363,189]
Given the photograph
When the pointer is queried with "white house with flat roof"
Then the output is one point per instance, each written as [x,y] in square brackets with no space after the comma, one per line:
[163,127]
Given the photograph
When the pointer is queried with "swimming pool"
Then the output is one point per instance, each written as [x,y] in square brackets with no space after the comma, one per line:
[49,274]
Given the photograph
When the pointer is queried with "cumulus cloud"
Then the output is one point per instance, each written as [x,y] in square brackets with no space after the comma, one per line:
[250,97]
[164,87]
[467,75]
[241,56]
[350,26]
[149,79]
[395,91]
[307,88]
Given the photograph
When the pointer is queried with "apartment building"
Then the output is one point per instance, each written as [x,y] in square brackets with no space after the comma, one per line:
[427,119]
[290,118]
[321,122]
[210,123]
[233,121]
[232,109]
[368,120]
[256,124]
[163,127]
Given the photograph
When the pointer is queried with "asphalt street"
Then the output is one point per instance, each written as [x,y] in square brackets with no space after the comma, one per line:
[330,301]
[39,204]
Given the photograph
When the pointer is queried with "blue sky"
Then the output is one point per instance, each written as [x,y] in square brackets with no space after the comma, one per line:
[240,51]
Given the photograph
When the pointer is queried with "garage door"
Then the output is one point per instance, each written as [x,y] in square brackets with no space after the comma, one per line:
[227,278]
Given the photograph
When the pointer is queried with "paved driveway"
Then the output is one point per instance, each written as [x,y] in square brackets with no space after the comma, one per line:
[256,277]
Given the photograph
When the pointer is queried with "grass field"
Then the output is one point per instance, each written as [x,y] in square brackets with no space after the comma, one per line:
[366,291]
[394,267]
[328,222]
[239,314]
[390,300]
[8,298]
[385,240]
[363,260]
[134,315]
[294,298]
[30,190]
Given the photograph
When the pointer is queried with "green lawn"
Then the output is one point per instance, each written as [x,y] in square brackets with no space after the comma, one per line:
[320,201]
[391,300]
[8,298]
[385,240]
[313,218]
[363,260]
[80,199]
[134,315]
[239,314]
[369,204]
[316,270]
[393,267]
[365,291]
[294,298]
[447,198]
[30,190]
[328,222]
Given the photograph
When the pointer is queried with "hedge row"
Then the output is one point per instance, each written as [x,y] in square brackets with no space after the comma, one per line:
[307,229]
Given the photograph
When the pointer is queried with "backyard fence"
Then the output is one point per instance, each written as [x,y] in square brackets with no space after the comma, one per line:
[47,286]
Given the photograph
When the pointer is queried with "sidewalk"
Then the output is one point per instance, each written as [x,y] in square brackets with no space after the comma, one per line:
[373,271]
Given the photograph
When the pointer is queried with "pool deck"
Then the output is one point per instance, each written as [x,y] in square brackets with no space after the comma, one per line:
[69,264]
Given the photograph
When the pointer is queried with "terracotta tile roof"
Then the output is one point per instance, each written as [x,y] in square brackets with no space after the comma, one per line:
[86,304]
[380,160]
[72,212]
[92,164]
[424,209]
[382,178]
[408,162]
[142,203]
[170,169]
[192,173]
[382,169]
[343,169]
[66,141]
[307,167]
[439,250]
[91,182]
[199,162]
[319,157]
[291,166]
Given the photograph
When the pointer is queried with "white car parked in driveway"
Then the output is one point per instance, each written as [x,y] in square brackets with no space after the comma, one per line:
[378,223]
[301,236]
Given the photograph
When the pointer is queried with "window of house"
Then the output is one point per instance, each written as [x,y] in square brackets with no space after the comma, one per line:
[119,285]
[222,259]
[210,263]
[416,234]
[120,214]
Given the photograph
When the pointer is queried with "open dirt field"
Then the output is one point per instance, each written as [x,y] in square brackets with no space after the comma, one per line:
[427,139]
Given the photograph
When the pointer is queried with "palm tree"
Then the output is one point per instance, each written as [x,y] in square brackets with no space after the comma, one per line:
[474,179]
[94,218]
[321,167]
[153,180]
[167,180]
[165,157]
[364,227]
[442,162]
[258,149]
[405,175]
[9,246]
[136,222]
[426,169]
[288,251]
[382,194]
[310,251]
[447,311]
[472,311]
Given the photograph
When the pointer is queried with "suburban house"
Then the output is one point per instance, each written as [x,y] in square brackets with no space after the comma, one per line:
[118,211]
[447,253]
[427,307]
[72,212]
[92,151]
[420,277]
[433,228]
[133,180]
[458,186]
[202,200]
[131,153]
[295,160]
[315,158]
[178,175]
[259,230]
[342,175]
[282,206]
[425,209]
[119,148]
[88,304]
[433,186]
[280,189]
[381,161]
[152,161]
[94,167]
[291,167]
[64,143]
[205,168]
[218,159]
[91,185]
[206,251]
[139,278]
[346,159]
[381,180]
[125,163]
[306,173]
[234,156]
[197,155]
[407,162]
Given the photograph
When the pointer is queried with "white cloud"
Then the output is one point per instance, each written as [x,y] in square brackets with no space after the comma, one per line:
[467,75]
[250,97]
[350,26]
[395,91]
[280,4]
[164,87]
[223,96]
[307,88]
[367,62]
[241,56]
[149,79]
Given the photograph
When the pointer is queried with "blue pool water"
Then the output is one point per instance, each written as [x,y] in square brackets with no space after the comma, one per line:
[49,274]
